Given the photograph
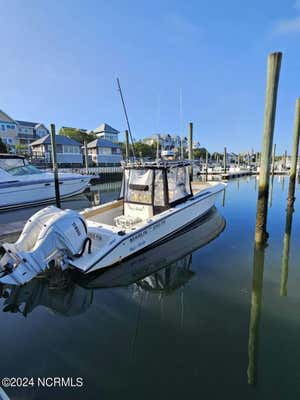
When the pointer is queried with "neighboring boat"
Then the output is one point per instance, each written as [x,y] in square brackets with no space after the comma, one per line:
[22,184]
[157,201]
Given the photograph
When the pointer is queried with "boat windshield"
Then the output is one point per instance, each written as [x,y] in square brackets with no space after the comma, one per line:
[18,166]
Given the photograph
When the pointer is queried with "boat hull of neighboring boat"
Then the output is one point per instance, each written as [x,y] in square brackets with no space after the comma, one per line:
[22,184]
[26,193]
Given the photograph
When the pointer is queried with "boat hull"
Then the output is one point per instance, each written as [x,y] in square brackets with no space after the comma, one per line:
[22,194]
[169,223]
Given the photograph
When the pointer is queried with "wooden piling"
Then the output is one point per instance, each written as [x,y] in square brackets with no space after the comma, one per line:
[126,145]
[190,141]
[273,159]
[206,164]
[181,148]
[225,160]
[284,159]
[273,72]
[295,150]
[190,144]
[54,165]
[157,148]
[86,159]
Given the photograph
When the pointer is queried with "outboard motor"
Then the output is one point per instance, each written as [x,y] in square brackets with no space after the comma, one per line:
[49,235]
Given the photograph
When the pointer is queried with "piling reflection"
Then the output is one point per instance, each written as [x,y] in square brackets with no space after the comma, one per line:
[255,312]
[260,241]
[286,249]
[162,269]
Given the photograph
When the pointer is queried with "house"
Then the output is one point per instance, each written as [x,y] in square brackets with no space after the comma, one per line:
[103,151]
[167,141]
[19,134]
[106,132]
[68,151]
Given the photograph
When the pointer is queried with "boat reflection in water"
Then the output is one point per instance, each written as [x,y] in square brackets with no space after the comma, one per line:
[162,269]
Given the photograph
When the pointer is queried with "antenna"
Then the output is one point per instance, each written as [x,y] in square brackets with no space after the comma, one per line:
[126,116]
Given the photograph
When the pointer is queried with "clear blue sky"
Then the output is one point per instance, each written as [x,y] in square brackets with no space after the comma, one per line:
[59,61]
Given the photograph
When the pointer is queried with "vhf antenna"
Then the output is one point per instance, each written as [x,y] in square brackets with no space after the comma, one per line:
[126,116]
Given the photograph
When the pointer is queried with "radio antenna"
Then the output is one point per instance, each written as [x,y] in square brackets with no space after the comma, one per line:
[126,116]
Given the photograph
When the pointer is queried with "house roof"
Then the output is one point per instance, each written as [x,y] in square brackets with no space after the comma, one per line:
[30,124]
[102,143]
[105,128]
[7,116]
[27,123]
[60,139]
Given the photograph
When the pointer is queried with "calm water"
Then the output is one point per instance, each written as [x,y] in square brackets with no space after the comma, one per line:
[172,322]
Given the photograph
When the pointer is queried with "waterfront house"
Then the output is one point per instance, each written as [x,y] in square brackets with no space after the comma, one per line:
[68,151]
[167,141]
[104,152]
[106,132]
[18,135]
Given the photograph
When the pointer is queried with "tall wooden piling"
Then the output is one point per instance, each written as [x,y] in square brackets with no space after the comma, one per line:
[284,159]
[86,159]
[190,144]
[273,159]
[157,148]
[225,160]
[273,71]
[54,165]
[126,145]
[295,150]
[181,148]
[206,164]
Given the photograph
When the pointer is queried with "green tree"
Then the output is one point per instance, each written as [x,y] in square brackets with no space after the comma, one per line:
[145,149]
[3,148]
[21,149]
[200,153]
[77,134]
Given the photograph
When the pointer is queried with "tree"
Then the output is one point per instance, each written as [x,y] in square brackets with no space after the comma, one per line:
[79,135]
[3,147]
[145,149]
[200,153]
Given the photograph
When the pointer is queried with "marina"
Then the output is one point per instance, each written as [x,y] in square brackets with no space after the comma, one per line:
[149,200]
[200,305]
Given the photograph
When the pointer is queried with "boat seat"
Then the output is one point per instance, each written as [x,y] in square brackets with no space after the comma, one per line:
[133,214]
[124,222]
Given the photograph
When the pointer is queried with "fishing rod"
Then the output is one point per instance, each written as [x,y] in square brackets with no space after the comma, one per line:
[126,116]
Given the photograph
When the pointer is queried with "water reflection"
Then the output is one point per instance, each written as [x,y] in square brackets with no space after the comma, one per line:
[54,290]
[255,311]
[286,249]
[162,269]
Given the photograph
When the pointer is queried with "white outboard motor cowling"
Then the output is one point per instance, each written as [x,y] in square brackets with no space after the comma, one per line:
[51,234]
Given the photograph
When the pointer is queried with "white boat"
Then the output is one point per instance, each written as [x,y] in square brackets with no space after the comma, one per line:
[156,202]
[162,268]
[22,184]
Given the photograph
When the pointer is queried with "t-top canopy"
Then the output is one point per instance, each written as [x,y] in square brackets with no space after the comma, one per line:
[161,185]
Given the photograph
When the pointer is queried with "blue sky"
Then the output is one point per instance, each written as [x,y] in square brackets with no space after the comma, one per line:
[60,59]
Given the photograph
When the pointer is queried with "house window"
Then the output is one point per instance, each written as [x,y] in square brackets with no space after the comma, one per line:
[3,127]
